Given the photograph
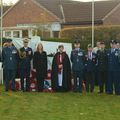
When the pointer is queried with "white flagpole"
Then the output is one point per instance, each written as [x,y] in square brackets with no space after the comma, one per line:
[1,31]
[93,21]
[1,22]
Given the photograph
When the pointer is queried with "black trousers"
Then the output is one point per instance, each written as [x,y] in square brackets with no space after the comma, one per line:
[40,81]
[9,75]
[25,74]
[102,79]
[90,81]
[113,82]
[78,78]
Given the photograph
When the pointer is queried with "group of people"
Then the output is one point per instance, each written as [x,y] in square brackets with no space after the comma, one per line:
[87,66]
[20,61]
[97,63]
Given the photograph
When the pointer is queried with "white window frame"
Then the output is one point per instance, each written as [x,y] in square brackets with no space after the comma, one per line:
[4,34]
[17,31]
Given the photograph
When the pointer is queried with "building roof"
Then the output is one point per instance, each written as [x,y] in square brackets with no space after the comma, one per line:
[75,11]
[54,6]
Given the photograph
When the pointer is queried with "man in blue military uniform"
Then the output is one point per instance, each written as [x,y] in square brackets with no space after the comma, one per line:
[77,58]
[26,55]
[10,60]
[102,66]
[113,69]
[90,64]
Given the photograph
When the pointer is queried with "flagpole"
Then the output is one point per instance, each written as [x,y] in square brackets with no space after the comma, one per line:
[1,22]
[1,35]
[93,21]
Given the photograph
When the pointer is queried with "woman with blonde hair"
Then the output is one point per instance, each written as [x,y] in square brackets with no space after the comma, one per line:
[40,66]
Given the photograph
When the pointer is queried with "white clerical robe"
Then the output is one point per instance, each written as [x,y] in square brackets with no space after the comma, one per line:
[60,75]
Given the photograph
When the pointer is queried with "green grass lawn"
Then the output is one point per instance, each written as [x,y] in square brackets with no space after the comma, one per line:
[58,106]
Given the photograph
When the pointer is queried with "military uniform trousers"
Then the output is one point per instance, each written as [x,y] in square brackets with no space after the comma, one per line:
[10,74]
[113,80]
[89,81]
[78,77]
[25,75]
[102,81]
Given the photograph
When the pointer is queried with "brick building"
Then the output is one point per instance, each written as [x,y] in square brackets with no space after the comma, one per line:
[47,17]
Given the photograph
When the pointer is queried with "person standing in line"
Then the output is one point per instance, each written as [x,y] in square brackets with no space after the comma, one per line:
[113,69]
[40,66]
[25,54]
[102,65]
[61,71]
[90,63]
[77,59]
[10,63]
[95,49]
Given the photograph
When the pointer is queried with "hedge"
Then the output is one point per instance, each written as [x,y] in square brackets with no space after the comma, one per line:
[83,43]
[102,33]
[64,40]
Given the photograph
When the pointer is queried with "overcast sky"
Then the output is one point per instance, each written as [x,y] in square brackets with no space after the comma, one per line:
[88,0]
[9,1]
[13,1]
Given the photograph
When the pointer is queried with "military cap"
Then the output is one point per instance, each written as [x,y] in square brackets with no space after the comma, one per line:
[77,41]
[118,42]
[89,46]
[25,40]
[113,42]
[102,42]
[8,40]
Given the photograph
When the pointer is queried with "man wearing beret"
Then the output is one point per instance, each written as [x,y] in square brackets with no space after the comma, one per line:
[102,65]
[10,60]
[90,64]
[77,58]
[26,55]
[113,69]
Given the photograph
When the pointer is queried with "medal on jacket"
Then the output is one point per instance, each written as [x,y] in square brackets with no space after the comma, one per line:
[29,52]
[80,54]
[86,56]
[10,58]
[116,54]
[77,59]
[14,52]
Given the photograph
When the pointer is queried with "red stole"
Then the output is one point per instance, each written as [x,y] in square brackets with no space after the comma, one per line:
[60,60]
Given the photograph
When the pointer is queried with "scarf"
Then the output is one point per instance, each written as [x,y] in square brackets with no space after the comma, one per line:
[60,60]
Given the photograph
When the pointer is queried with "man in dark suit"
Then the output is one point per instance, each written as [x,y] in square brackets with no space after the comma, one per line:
[26,55]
